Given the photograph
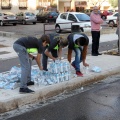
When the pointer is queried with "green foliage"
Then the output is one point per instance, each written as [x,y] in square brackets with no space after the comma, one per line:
[114,3]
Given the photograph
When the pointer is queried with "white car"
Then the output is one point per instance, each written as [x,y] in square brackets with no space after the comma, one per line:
[111,19]
[65,21]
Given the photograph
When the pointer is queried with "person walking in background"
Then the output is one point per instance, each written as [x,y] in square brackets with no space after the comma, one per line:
[96,21]
[75,42]
[54,49]
[23,47]
[117,31]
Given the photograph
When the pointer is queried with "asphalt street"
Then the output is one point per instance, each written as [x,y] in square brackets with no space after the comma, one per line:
[100,101]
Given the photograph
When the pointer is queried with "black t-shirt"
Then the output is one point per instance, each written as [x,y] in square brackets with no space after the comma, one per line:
[54,41]
[30,42]
[71,43]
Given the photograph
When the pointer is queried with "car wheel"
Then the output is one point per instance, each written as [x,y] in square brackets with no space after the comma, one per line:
[1,23]
[14,24]
[34,23]
[57,29]
[103,17]
[46,21]
[111,23]
[23,22]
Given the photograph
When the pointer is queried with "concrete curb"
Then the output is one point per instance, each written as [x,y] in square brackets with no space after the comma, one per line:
[52,90]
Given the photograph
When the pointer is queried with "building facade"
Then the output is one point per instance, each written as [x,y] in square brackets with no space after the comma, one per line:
[35,5]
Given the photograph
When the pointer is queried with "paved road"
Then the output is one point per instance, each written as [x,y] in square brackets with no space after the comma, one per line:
[6,65]
[37,29]
[100,101]
[28,29]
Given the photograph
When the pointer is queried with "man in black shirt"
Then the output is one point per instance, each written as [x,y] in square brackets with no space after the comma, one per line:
[54,49]
[23,47]
[75,42]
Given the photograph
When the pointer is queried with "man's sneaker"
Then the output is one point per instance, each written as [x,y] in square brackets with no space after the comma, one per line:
[73,65]
[78,73]
[26,90]
[30,83]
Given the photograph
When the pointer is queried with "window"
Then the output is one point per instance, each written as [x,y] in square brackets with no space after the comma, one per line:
[63,16]
[116,15]
[72,18]
[5,4]
[23,4]
[83,17]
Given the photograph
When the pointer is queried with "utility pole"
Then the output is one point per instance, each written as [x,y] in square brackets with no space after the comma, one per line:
[119,24]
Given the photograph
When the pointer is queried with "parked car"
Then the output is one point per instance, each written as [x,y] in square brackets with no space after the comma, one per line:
[47,16]
[67,19]
[26,17]
[111,19]
[105,13]
[8,18]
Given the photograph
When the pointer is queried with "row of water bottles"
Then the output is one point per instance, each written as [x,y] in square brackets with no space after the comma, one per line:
[59,67]
[52,78]
[58,71]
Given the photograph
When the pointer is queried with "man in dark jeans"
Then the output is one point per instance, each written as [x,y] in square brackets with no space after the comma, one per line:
[24,47]
[96,20]
[54,49]
[78,42]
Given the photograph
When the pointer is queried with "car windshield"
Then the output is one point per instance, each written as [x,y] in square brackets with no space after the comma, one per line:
[83,17]
[54,13]
[29,14]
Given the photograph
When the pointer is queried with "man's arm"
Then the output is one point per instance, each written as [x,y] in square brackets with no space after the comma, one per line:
[60,52]
[84,54]
[38,60]
[49,54]
[96,20]
[69,56]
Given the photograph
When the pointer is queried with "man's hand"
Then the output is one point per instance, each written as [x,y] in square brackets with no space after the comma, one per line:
[41,68]
[54,59]
[85,64]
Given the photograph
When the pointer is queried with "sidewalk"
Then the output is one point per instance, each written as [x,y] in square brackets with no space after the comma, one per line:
[8,52]
[11,99]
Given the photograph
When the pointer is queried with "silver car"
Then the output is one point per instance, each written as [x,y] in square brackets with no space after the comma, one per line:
[26,17]
[8,18]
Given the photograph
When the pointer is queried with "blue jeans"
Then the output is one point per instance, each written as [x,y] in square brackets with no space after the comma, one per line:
[25,64]
[78,58]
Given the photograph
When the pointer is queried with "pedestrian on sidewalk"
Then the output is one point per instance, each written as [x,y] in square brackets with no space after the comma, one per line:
[79,43]
[24,47]
[96,22]
[54,49]
[117,31]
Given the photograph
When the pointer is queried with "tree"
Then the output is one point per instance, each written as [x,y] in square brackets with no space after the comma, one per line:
[114,3]
[97,2]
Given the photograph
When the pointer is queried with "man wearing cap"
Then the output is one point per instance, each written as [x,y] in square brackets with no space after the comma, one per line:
[79,43]
[54,49]
[24,47]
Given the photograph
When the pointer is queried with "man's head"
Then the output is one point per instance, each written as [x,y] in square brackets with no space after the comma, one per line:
[95,9]
[82,41]
[63,42]
[45,40]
